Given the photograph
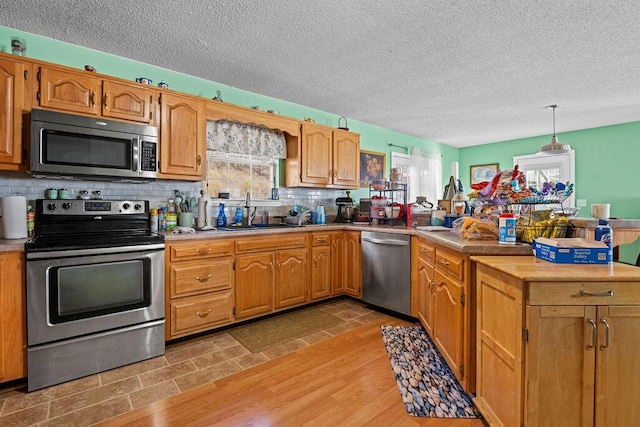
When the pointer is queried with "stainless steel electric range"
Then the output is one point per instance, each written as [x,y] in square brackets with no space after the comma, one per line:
[94,287]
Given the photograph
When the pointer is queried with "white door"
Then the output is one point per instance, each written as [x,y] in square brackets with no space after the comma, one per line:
[541,168]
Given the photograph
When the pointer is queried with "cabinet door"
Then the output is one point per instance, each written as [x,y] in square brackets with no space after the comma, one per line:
[126,101]
[254,285]
[448,312]
[320,272]
[69,91]
[617,366]
[353,264]
[425,294]
[346,159]
[560,359]
[12,87]
[182,133]
[13,336]
[338,262]
[291,277]
[316,155]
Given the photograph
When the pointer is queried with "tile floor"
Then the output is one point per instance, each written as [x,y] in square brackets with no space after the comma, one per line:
[185,365]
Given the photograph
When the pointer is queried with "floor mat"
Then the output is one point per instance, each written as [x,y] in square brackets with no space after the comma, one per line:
[268,333]
[427,385]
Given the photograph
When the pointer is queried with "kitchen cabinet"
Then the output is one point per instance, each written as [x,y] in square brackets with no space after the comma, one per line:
[338,262]
[13,331]
[83,92]
[323,157]
[271,274]
[182,137]
[557,342]
[14,80]
[352,264]
[321,265]
[199,286]
[424,258]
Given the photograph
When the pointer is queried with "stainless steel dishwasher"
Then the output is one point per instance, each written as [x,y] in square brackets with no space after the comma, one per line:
[386,271]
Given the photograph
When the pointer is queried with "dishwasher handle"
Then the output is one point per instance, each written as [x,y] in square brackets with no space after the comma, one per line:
[391,242]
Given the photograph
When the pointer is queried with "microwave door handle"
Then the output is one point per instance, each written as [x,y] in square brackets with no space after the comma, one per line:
[136,154]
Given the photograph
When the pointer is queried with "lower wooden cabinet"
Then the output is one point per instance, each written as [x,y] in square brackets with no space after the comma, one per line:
[558,351]
[352,264]
[322,264]
[271,273]
[13,335]
[199,283]
[423,276]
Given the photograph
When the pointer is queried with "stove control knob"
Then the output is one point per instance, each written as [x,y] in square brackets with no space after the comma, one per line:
[52,206]
[126,206]
[66,205]
[137,206]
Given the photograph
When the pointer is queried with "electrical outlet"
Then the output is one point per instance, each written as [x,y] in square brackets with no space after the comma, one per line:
[581,203]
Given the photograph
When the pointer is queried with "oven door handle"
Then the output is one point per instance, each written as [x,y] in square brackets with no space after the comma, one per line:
[94,251]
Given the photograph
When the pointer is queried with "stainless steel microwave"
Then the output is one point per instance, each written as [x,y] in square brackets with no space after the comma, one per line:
[70,146]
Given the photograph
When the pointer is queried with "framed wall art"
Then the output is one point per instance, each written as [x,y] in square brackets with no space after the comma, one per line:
[480,173]
[372,166]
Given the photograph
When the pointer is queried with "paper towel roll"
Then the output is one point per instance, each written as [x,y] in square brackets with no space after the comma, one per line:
[14,217]
[204,212]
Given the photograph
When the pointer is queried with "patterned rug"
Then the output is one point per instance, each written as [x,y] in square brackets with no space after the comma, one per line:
[267,333]
[427,385]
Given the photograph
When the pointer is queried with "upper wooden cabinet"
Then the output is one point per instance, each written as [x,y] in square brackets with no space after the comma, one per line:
[13,81]
[323,157]
[182,137]
[67,90]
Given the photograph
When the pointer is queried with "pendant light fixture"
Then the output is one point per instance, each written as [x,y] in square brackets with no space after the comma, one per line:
[554,147]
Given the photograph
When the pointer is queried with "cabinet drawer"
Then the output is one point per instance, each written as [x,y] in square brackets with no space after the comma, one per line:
[450,264]
[426,251]
[271,243]
[194,277]
[200,250]
[320,239]
[199,313]
[585,293]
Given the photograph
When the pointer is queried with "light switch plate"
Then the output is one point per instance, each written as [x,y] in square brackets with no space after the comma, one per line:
[581,203]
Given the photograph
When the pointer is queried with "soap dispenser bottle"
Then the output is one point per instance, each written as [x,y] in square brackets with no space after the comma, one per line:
[221,221]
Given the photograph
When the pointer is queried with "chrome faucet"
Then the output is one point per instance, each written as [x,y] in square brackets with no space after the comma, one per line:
[247,209]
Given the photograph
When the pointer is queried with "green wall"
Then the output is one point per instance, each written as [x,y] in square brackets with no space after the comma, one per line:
[372,138]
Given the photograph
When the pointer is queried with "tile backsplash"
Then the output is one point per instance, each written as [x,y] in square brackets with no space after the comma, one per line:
[157,192]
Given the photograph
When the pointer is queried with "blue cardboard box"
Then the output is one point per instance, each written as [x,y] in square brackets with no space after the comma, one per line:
[571,251]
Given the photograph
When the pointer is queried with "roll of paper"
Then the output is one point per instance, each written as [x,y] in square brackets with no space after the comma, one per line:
[204,212]
[14,217]
[454,170]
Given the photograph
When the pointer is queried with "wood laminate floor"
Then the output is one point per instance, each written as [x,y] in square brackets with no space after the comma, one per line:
[336,377]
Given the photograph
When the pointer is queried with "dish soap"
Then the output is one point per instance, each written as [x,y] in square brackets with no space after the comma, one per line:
[221,221]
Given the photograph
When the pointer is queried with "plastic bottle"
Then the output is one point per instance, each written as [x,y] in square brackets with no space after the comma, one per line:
[604,233]
[153,220]
[162,222]
[30,221]
[237,219]
[221,221]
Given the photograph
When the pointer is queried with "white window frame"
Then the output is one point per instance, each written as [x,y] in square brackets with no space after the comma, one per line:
[566,162]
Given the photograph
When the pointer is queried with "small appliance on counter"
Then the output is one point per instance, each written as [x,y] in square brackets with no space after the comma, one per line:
[346,211]
[363,211]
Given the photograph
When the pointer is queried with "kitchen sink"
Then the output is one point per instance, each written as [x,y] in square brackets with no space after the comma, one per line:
[257,227]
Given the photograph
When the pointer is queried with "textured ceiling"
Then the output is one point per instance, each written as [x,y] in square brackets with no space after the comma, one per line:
[456,72]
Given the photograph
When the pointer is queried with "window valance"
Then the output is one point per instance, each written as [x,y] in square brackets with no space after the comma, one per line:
[240,138]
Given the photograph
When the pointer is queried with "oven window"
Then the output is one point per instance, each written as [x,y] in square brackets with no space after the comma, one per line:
[65,148]
[90,290]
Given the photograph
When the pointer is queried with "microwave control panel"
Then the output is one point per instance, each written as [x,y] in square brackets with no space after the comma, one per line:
[148,158]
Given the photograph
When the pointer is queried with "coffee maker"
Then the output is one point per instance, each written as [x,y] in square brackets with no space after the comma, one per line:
[346,211]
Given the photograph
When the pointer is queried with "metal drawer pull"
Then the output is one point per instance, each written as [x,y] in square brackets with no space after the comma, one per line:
[202,315]
[597,294]
[594,336]
[321,240]
[443,262]
[203,278]
[604,321]
[203,252]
